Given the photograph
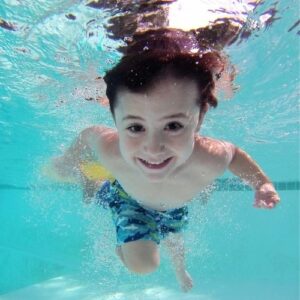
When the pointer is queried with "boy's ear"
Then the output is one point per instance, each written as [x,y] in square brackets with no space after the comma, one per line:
[203,111]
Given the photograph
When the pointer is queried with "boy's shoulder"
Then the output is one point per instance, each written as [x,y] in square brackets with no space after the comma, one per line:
[101,139]
[100,133]
[214,149]
[100,129]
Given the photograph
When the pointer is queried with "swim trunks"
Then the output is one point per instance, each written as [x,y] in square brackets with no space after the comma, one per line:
[135,222]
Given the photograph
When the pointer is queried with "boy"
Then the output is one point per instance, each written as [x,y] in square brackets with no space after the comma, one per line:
[159,94]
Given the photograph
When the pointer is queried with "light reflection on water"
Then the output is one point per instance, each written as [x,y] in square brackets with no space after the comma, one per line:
[45,47]
[54,52]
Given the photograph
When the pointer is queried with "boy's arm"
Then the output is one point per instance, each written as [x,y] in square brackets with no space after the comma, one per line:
[83,148]
[248,170]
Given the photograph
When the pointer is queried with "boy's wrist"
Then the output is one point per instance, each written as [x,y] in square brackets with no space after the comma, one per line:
[260,180]
[265,186]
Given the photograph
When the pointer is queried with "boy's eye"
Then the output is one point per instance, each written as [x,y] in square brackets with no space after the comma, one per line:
[174,126]
[135,128]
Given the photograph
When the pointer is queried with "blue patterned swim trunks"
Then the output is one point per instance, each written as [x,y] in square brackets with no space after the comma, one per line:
[135,222]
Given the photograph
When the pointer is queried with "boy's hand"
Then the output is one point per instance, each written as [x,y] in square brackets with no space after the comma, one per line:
[266,196]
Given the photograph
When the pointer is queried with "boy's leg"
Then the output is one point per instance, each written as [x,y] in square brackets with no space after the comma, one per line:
[175,247]
[140,256]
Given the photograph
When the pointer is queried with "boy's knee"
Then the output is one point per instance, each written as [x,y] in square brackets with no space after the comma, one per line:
[142,258]
[143,265]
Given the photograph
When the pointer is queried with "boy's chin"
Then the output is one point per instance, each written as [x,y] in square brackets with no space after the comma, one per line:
[155,178]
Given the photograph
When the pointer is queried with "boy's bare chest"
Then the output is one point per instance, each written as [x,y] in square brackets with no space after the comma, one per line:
[168,194]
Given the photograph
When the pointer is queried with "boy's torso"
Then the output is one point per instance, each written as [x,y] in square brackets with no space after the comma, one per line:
[209,160]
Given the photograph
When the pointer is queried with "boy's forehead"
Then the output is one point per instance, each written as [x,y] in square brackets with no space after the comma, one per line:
[163,89]
[165,92]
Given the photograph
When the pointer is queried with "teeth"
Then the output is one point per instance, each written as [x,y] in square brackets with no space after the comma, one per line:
[153,163]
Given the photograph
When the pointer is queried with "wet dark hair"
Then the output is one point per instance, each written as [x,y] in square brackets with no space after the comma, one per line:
[170,51]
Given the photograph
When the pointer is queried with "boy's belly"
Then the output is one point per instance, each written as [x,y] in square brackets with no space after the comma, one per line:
[163,196]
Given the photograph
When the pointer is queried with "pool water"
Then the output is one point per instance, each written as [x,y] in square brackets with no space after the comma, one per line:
[52,246]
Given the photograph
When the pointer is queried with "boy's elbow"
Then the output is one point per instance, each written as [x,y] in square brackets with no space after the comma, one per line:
[238,160]
[232,152]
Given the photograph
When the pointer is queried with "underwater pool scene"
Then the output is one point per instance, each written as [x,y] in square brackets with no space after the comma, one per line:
[54,246]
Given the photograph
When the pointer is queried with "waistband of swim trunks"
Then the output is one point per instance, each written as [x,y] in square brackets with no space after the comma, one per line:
[122,193]
[126,197]
[116,184]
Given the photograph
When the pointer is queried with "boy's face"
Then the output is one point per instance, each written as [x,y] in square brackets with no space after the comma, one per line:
[157,128]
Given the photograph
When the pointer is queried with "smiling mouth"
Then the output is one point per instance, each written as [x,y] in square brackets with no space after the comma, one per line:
[154,165]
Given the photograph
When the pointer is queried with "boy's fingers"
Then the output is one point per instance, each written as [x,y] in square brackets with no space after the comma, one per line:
[264,204]
[257,204]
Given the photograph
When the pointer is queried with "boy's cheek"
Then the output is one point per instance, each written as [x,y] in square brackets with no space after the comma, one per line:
[129,145]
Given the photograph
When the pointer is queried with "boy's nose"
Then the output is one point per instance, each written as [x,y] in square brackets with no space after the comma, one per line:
[154,144]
